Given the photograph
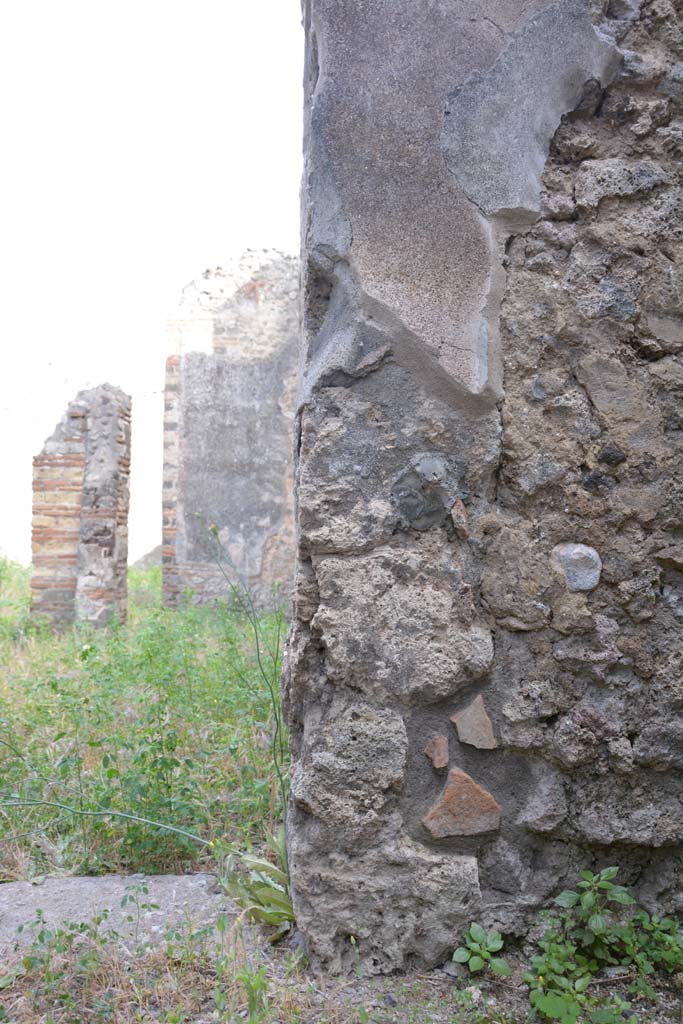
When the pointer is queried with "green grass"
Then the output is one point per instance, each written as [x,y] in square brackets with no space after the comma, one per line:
[14,599]
[167,718]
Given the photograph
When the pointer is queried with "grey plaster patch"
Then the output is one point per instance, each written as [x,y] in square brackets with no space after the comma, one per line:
[503,118]
[390,227]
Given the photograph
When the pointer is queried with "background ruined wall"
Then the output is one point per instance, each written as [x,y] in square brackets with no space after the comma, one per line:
[80,512]
[229,406]
[482,678]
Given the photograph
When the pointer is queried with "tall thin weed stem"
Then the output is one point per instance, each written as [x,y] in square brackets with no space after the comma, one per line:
[271,677]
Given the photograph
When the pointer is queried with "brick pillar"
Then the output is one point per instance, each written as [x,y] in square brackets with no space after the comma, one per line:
[80,512]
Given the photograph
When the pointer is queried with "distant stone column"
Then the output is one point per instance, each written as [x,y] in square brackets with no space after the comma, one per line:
[480,675]
[171,573]
[80,512]
[228,424]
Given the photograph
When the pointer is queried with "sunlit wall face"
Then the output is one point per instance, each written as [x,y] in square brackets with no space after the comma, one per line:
[143,143]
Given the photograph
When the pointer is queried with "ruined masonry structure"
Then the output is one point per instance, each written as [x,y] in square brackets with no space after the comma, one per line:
[229,408]
[80,512]
[484,677]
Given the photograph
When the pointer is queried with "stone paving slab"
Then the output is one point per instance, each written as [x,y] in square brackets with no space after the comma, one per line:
[179,898]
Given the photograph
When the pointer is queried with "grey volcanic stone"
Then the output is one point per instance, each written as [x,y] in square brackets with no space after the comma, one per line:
[547,805]
[418,900]
[598,179]
[580,565]
[390,637]
[354,765]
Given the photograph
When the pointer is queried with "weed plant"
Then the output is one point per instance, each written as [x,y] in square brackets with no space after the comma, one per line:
[598,926]
[478,949]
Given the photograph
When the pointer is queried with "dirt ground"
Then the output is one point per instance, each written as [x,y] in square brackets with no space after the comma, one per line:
[296,994]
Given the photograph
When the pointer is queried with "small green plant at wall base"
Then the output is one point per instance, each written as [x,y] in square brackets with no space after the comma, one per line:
[260,887]
[595,931]
[560,975]
[477,953]
[589,920]
[650,943]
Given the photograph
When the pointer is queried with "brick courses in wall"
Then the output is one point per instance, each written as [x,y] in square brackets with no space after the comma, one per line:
[80,512]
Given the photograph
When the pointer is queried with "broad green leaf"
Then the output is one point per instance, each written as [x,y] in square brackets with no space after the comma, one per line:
[476,963]
[581,984]
[567,899]
[280,932]
[621,895]
[597,924]
[500,966]
[587,900]
[272,897]
[12,976]
[607,874]
[478,933]
[558,1008]
[260,864]
[605,1016]
[261,878]
[461,955]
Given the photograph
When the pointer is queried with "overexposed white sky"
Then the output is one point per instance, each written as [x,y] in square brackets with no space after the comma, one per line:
[142,141]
